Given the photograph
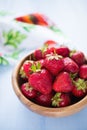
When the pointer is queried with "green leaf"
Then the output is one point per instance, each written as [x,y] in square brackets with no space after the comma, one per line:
[5,13]
[81,84]
[29,28]
[15,54]
[72,52]
[3,61]
[57,31]
[73,76]
[56,99]
[26,27]
[36,67]
[33,68]
[13,38]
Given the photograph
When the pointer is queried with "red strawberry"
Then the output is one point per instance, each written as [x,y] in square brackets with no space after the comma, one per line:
[28,91]
[50,43]
[61,100]
[78,57]
[64,51]
[79,88]
[44,100]
[63,83]
[54,63]
[25,70]
[51,50]
[41,81]
[70,65]
[83,71]
[38,54]
[42,52]
[41,62]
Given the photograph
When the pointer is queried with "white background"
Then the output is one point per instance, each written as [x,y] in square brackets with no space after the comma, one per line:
[69,15]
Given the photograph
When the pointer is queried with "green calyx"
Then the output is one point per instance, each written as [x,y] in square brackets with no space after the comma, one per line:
[22,73]
[36,67]
[56,99]
[28,87]
[73,76]
[81,84]
[44,48]
[72,52]
[54,56]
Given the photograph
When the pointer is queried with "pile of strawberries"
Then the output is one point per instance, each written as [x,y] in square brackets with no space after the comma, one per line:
[54,76]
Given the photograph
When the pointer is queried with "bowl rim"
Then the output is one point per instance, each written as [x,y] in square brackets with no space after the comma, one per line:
[53,112]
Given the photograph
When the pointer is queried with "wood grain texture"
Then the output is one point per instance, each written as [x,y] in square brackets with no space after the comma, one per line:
[53,112]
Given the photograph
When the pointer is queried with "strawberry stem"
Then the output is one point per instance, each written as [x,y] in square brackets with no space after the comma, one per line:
[28,87]
[72,52]
[73,76]
[54,56]
[22,73]
[81,84]
[36,67]
[44,48]
[56,99]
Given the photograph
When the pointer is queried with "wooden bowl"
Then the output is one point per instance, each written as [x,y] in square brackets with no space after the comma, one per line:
[53,112]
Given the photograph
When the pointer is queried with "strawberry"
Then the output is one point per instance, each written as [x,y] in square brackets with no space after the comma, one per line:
[78,57]
[51,50]
[64,51]
[37,54]
[25,70]
[83,71]
[44,100]
[63,83]
[50,43]
[42,52]
[41,62]
[54,63]
[41,80]
[28,91]
[54,77]
[70,66]
[79,88]
[61,100]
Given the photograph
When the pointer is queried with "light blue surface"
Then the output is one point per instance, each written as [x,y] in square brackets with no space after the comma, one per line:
[71,16]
